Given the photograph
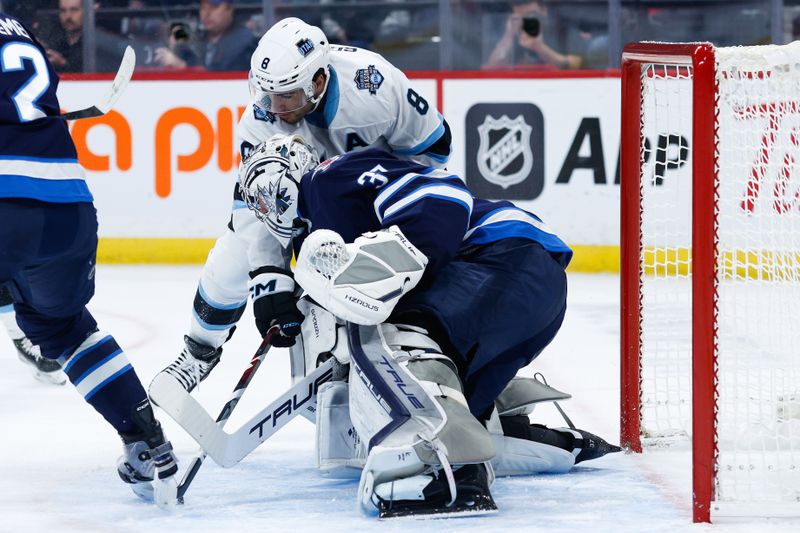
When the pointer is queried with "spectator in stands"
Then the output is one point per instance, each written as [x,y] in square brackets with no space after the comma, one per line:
[523,41]
[65,50]
[227,44]
[26,11]
[179,52]
[64,45]
[595,52]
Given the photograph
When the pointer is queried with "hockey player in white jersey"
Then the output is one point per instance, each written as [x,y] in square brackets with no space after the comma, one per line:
[340,99]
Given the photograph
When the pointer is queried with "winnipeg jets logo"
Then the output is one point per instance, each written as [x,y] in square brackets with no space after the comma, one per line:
[325,165]
[504,154]
[283,200]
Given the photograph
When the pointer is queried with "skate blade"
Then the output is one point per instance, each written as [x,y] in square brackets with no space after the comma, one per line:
[50,378]
[165,493]
[56,377]
[401,511]
[144,490]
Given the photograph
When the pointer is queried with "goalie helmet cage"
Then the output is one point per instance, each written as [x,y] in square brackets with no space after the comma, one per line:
[710,268]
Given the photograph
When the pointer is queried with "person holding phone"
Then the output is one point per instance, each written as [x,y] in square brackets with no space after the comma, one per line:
[179,52]
[522,42]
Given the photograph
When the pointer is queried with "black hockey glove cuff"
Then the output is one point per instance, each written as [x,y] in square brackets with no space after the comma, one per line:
[278,309]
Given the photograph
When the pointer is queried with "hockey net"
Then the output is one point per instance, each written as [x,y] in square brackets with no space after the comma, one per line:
[711,268]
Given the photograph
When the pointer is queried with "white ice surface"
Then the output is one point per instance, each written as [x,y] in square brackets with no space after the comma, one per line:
[57,456]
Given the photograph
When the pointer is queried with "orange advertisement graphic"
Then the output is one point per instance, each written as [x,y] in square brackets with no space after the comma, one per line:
[123,145]
[217,136]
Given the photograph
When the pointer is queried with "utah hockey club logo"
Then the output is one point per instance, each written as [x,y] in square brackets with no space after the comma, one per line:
[504,155]
[305,47]
[369,79]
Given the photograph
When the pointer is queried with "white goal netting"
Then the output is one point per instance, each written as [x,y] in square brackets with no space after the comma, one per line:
[757,290]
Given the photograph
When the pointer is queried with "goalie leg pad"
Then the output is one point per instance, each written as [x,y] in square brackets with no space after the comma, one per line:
[411,411]
[340,452]
[320,336]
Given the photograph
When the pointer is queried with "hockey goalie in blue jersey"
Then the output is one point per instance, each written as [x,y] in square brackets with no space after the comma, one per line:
[48,244]
[462,292]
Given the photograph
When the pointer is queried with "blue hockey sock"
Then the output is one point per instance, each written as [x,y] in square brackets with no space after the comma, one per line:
[102,374]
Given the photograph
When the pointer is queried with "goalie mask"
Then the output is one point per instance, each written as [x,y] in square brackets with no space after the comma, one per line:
[270,180]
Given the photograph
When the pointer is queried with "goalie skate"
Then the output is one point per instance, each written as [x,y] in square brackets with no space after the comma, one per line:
[429,495]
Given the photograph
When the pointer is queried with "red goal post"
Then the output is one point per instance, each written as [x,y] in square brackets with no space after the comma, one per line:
[689,368]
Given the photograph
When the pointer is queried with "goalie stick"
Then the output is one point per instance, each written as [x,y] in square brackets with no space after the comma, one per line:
[121,80]
[230,405]
[227,449]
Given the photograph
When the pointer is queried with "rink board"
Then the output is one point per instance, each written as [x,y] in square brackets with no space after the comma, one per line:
[162,164]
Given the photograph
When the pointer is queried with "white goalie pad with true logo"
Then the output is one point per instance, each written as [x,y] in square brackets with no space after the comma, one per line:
[409,410]
[359,282]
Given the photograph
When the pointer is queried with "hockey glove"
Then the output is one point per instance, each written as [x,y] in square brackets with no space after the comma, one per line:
[278,309]
[271,289]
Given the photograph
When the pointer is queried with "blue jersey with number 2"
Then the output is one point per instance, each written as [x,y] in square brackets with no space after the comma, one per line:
[37,156]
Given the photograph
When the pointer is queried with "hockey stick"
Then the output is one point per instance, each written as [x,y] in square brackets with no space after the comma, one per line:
[121,80]
[230,405]
[227,449]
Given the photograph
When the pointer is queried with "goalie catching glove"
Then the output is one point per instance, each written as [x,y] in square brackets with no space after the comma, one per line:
[360,282]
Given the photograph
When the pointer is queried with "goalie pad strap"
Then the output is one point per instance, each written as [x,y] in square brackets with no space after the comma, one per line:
[401,336]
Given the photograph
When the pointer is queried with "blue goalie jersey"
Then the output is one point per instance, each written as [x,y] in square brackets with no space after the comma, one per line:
[370,190]
[37,156]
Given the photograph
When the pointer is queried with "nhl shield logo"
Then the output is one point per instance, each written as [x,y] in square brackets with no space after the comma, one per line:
[504,155]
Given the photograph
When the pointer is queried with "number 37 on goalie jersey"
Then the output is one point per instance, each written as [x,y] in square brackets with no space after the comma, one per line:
[366,191]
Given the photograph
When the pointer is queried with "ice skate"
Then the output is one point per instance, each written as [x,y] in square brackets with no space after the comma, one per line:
[583,445]
[428,495]
[193,364]
[147,463]
[44,369]
[589,446]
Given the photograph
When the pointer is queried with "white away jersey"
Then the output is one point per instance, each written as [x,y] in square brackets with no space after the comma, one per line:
[368,103]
